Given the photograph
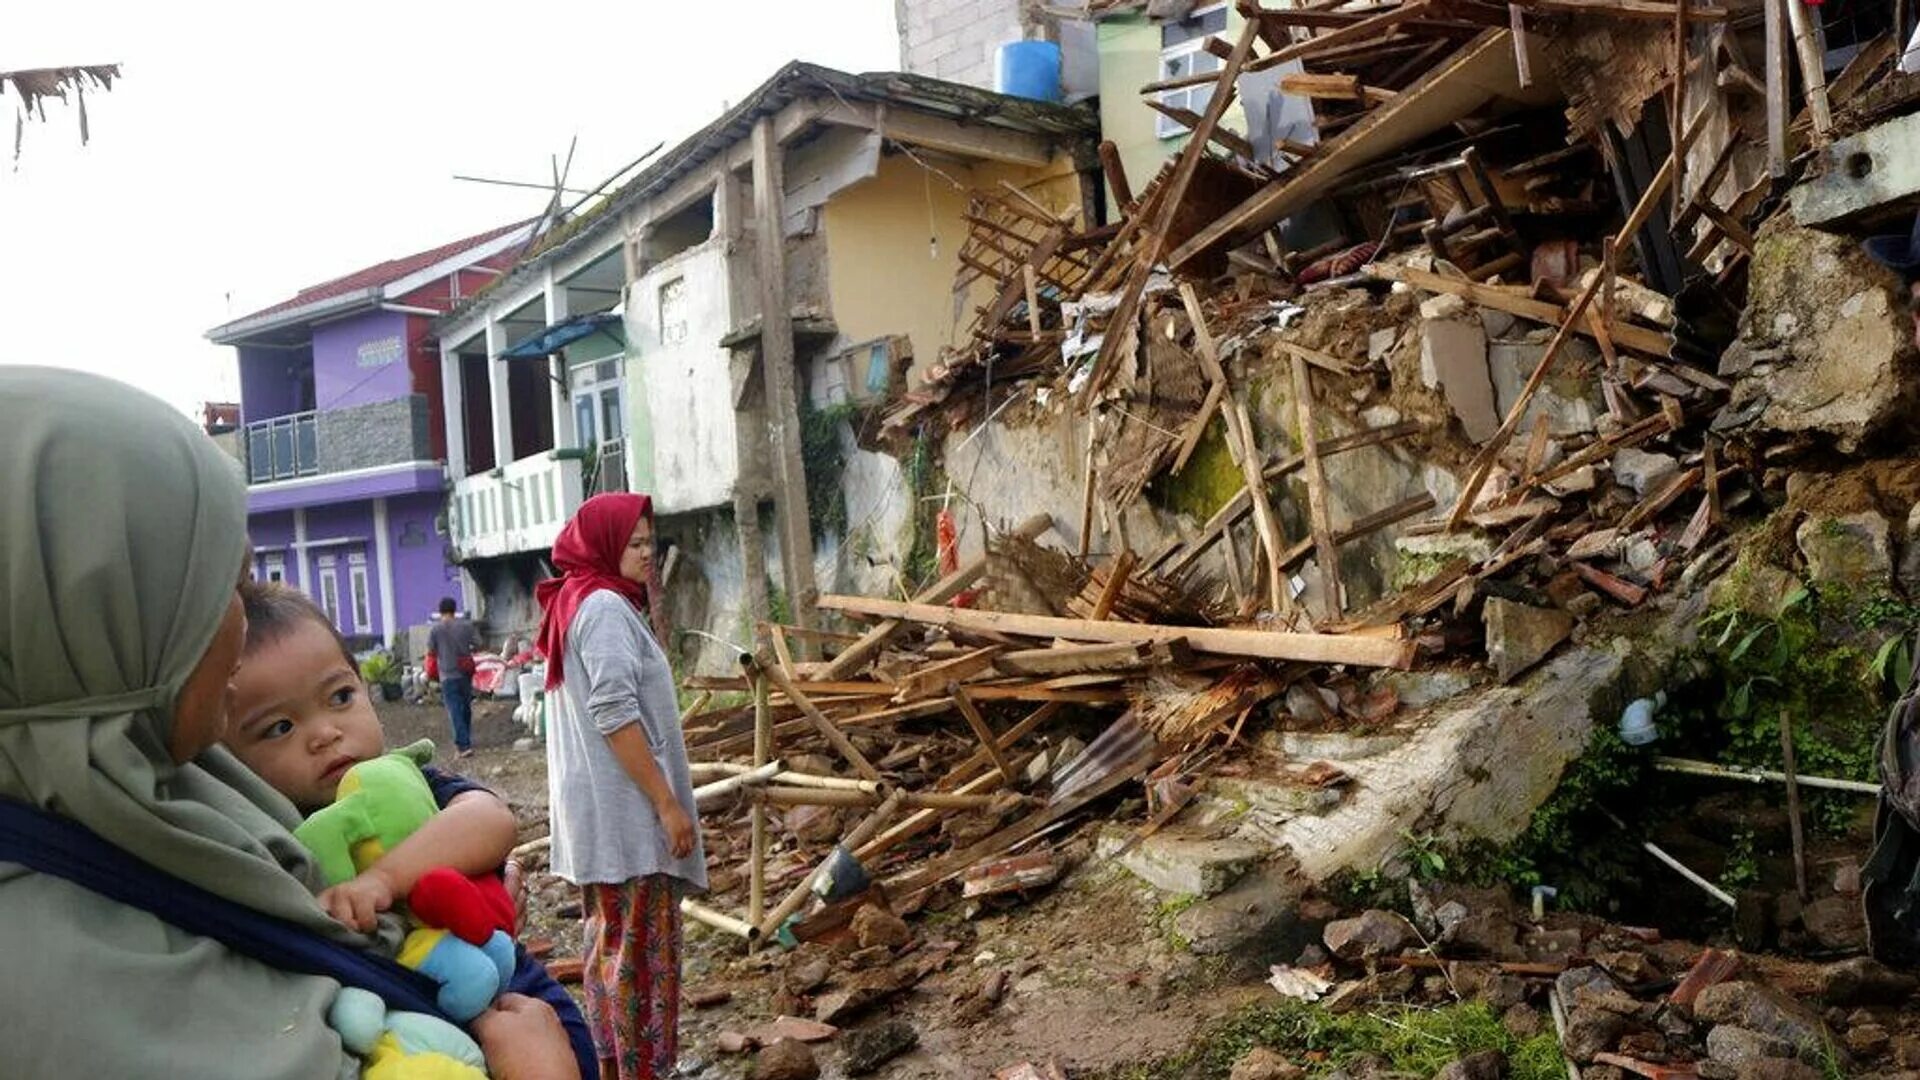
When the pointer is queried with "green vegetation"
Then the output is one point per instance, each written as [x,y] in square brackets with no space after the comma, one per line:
[380,669]
[1413,1040]
[825,460]
[1210,479]
[924,477]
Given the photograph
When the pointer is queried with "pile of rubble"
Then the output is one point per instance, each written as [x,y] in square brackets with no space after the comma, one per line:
[1623,1001]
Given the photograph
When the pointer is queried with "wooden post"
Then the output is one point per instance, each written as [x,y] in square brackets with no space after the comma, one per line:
[1793,807]
[777,366]
[1813,72]
[749,417]
[982,732]
[1776,71]
[1326,551]
[827,728]
[1116,176]
[762,753]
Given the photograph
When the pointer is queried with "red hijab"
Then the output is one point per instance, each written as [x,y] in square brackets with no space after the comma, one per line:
[587,554]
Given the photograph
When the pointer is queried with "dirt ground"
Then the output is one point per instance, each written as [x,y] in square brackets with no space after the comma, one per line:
[1091,982]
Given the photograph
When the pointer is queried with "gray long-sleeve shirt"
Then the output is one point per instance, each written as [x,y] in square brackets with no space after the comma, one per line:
[605,829]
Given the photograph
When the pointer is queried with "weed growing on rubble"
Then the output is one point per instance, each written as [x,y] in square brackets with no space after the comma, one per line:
[1412,1040]
[825,459]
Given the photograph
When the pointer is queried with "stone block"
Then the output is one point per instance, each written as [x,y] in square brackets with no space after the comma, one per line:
[369,436]
[1644,472]
[1520,636]
[1861,175]
[1851,549]
[1186,865]
[1453,357]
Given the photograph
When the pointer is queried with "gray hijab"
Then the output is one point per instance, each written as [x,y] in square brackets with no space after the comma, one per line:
[122,532]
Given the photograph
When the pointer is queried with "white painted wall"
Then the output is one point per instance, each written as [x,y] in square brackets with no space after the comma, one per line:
[680,391]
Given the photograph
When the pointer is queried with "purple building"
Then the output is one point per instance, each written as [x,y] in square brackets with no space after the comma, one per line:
[343,435]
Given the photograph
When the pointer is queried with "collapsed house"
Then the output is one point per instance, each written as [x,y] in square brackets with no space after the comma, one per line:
[1306,432]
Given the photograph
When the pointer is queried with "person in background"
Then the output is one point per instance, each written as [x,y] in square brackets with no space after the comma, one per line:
[450,648]
[625,827]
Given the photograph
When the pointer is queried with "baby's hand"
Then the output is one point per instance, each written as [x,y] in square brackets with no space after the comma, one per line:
[358,903]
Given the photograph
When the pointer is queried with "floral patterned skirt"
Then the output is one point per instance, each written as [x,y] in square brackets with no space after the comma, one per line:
[632,974]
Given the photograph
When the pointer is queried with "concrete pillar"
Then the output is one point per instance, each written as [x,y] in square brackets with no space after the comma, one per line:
[453,410]
[389,621]
[564,435]
[498,390]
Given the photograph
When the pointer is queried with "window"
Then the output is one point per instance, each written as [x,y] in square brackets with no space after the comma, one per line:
[673,312]
[1182,53]
[357,589]
[273,568]
[329,590]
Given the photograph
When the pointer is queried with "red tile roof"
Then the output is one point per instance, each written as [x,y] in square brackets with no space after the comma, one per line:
[381,273]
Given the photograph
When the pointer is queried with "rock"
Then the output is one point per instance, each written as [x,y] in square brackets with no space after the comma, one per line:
[1262,1063]
[808,975]
[1568,413]
[1906,1051]
[1631,968]
[1380,343]
[1260,920]
[1738,1046]
[1867,1040]
[1779,1069]
[875,926]
[1372,933]
[1544,946]
[1644,472]
[1453,358]
[1862,981]
[1485,1065]
[1519,635]
[1836,922]
[841,1005]
[1419,689]
[1850,549]
[1182,861]
[1523,1021]
[1765,1010]
[1392,985]
[869,1048]
[786,1059]
[1570,984]
[731,1042]
[1592,1031]
[1483,933]
[1840,326]
[707,997]
[1502,992]
[813,824]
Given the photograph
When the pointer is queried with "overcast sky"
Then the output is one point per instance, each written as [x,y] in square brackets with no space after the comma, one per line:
[252,150]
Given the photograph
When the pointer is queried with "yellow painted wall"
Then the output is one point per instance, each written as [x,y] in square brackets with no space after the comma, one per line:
[1129,49]
[882,277]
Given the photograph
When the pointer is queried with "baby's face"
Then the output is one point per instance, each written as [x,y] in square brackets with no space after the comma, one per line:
[301,715]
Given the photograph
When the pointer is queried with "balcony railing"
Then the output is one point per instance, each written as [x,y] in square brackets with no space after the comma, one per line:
[517,508]
[283,448]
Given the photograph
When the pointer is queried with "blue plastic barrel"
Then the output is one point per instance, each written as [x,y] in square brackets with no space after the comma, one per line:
[1028,69]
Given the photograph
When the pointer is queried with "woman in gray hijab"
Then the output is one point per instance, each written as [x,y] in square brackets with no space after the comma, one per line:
[122,533]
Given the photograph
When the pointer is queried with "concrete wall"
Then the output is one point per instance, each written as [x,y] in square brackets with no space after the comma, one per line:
[361,360]
[271,382]
[1129,59]
[272,534]
[374,434]
[416,537]
[680,400]
[885,279]
[955,39]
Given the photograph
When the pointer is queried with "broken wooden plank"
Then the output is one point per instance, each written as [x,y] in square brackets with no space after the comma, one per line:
[832,733]
[988,741]
[1653,10]
[1326,549]
[856,656]
[934,678]
[1257,644]
[1459,84]
[1619,588]
[1625,334]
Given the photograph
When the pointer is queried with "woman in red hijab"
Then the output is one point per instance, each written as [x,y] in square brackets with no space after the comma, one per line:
[624,825]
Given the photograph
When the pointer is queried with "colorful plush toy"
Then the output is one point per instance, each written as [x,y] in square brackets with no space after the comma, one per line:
[403,1045]
[464,924]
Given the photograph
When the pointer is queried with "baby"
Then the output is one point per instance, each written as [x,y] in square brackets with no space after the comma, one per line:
[301,717]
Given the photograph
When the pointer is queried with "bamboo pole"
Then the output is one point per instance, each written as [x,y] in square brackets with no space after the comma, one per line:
[861,833]
[1725,772]
[710,794]
[719,920]
[757,857]
[1813,72]
[827,728]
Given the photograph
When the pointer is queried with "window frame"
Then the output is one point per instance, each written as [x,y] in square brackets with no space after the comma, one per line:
[359,594]
[1165,127]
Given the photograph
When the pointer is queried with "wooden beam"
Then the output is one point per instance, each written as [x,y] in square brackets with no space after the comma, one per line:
[1326,549]
[1461,82]
[981,731]
[1652,10]
[1257,644]
[1116,171]
[828,730]
[1776,71]
[1625,334]
[1365,30]
[856,656]
[777,366]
